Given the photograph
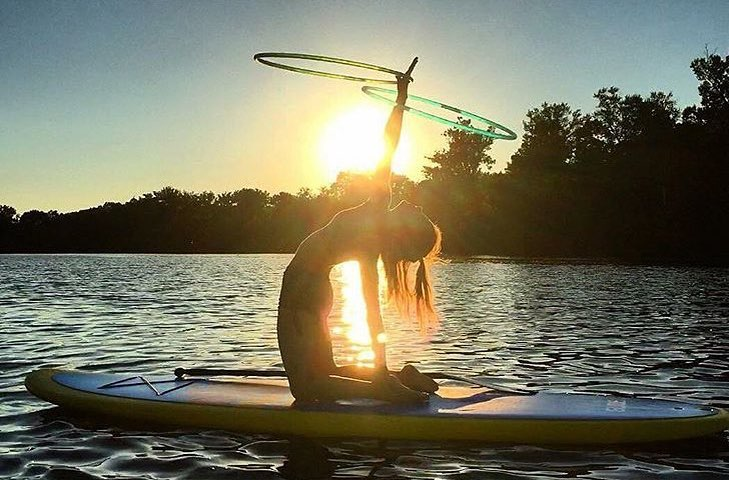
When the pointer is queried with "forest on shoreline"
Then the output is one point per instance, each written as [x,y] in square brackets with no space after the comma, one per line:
[636,179]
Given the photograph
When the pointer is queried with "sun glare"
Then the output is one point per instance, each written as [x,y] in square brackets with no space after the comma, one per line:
[354,142]
[354,313]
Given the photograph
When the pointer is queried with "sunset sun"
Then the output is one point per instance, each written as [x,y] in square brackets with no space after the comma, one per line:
[353,141]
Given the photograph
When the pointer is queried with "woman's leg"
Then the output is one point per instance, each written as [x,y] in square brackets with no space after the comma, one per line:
[297,346]
[307,357]
[388,389]
[409,376]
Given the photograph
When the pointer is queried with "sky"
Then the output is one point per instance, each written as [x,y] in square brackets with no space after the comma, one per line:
[104,101]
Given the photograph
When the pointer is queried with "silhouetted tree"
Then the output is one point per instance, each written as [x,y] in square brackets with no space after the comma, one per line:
[350,188]
[7,214]
[465,155]
[548,143]
[8,218]
[402,189]
[624,119]
[712,71]
[453,192]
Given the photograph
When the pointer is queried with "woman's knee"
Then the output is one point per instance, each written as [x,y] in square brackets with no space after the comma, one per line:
[310,388]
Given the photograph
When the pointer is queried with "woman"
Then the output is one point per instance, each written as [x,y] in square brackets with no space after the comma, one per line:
[365,233]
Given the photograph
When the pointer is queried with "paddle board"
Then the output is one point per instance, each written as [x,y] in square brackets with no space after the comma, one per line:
[453,414]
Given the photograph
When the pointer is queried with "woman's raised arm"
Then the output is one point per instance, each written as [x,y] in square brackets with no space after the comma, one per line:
[382,191]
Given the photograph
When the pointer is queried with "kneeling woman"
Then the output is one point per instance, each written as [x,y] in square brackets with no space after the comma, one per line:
[400,236]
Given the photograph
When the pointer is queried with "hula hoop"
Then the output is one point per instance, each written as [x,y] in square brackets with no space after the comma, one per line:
[375,92]
[263,58]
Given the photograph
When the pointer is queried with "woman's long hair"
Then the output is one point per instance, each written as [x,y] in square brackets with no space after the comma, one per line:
[419,296]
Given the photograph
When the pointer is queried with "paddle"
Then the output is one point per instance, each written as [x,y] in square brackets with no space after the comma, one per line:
[213,372]
[216,372]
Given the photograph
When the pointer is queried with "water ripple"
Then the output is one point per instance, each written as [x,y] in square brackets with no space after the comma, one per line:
[635,330]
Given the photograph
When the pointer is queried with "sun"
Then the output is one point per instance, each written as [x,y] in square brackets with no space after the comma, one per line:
[353,142]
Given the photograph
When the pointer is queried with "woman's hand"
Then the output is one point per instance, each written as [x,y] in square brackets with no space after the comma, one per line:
[403,81]
[395,391]
[413,379]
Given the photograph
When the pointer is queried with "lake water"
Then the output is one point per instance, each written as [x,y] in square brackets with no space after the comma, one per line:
[650,331]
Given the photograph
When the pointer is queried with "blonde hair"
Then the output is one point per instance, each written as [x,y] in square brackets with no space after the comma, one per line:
[420,296]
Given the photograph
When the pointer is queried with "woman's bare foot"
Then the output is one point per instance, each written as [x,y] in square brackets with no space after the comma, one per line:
[394,391]
[412,378]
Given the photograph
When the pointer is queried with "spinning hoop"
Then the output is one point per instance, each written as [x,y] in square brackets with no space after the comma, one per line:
[264,56]
[375,92]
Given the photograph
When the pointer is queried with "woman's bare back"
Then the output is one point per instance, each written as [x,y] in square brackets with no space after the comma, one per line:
[352,234]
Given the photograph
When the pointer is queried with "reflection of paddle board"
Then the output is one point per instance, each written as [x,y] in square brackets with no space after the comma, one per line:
[456,413]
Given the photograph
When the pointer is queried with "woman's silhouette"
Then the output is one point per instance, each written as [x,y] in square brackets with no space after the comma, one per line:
[400,236]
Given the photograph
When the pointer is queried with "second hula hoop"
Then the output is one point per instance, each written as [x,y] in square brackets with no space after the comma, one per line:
[265,56]
[504,134]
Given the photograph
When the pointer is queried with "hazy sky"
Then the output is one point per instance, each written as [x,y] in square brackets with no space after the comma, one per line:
[102,101]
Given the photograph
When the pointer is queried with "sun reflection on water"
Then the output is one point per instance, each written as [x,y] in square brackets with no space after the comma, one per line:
[349,323]
[354,315]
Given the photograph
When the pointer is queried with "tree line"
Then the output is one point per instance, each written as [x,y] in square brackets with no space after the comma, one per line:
[636,179]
